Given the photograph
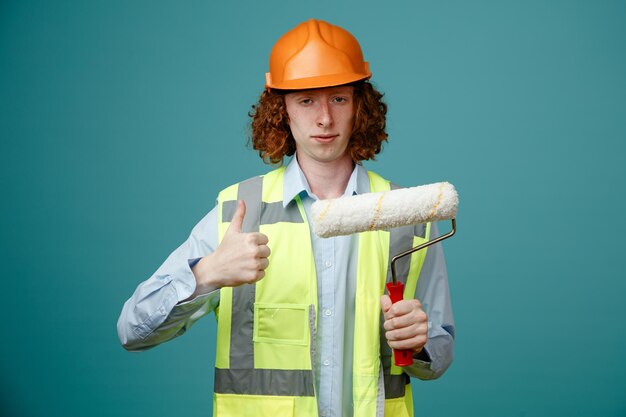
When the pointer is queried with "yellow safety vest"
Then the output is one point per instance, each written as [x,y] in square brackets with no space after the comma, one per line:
[266,332]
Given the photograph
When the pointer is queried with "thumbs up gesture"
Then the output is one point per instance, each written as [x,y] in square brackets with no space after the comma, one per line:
[241,258]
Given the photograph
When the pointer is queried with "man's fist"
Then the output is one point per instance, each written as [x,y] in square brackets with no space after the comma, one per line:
[241,258]
[406,324]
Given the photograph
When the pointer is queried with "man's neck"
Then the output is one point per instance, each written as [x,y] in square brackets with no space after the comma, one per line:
[327,179]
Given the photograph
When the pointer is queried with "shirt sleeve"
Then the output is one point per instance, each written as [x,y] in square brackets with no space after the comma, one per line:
[157,310]
[434,294]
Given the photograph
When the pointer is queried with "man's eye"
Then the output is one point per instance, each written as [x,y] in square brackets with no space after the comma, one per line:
[340,99]
[306,101]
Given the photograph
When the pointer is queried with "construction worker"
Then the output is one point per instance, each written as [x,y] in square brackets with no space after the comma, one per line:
[303,325]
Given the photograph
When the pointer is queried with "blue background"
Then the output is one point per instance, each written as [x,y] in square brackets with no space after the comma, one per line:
[120,121]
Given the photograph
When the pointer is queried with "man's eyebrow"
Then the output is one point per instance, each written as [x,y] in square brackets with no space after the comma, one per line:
[299,94]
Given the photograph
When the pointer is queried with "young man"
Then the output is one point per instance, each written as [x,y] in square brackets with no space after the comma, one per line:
[303,325]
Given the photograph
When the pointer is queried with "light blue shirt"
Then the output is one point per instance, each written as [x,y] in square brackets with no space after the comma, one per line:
[156,311]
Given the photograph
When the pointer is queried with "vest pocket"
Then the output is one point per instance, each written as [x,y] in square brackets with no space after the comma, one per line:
[281,323]
[233,405]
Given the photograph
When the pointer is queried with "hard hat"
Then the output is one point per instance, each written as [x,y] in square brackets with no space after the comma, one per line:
[315,54]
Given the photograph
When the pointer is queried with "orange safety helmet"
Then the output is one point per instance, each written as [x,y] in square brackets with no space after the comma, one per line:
[316,54]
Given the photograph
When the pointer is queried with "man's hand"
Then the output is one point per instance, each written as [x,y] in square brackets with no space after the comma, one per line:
[406,324]
[241,258]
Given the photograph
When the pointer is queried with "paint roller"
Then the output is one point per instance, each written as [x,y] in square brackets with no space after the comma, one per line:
[386,210]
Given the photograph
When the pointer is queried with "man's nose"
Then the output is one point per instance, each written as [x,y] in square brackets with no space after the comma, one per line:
[324,118]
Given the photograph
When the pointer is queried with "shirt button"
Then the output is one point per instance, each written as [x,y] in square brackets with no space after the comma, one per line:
[326,362]
[323,413]
[328,312]
[328,264]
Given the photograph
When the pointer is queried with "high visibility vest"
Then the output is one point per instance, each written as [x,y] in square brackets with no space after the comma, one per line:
[266,332]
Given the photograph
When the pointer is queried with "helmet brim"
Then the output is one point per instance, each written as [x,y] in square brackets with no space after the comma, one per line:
[322,81]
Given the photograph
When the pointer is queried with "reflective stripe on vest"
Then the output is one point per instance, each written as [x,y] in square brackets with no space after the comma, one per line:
[266,331]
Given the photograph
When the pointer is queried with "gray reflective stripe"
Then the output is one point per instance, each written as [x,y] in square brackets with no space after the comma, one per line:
[400,240]
[385,350]
[228,210]
[297,383]
[275,213]
[380,392]
[395,385]
[241,347]
[270,212]
[420,230]
[251,191]
[313,346]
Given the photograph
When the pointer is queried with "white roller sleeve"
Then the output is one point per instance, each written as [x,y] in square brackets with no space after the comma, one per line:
[376,211]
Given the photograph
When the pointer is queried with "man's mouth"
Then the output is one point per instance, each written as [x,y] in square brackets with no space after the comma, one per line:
[325,137]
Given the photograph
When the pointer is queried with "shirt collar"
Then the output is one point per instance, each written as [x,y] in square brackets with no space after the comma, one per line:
[296,183]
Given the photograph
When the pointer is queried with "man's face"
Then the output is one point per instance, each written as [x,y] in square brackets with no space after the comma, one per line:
[321,121]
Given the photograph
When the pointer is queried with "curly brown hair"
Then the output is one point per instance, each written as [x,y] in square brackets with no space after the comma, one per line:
[271,136]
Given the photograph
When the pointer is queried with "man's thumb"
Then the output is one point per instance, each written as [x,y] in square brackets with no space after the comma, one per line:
[385,303]
[237,221]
